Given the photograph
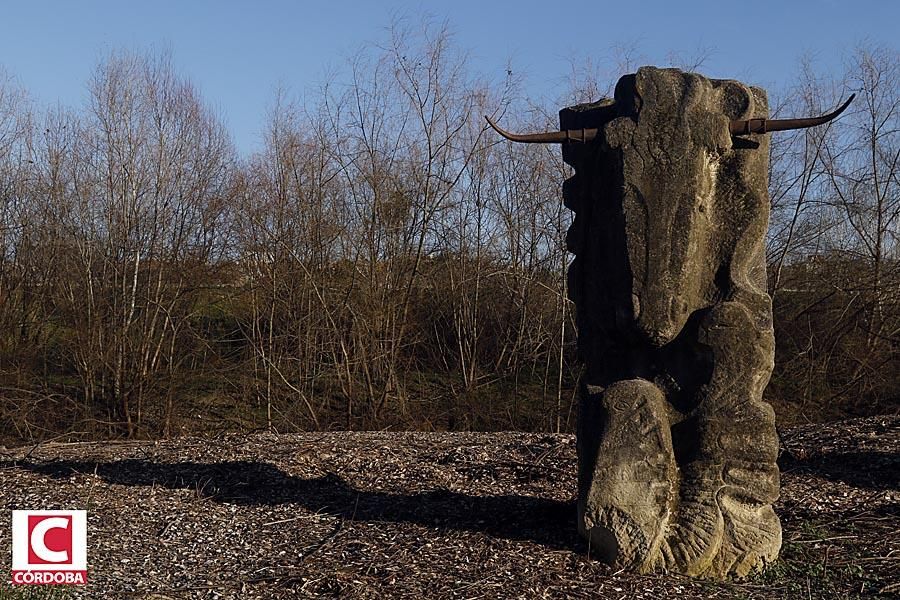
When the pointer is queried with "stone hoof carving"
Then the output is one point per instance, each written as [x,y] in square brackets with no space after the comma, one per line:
[676,447]
[625,517]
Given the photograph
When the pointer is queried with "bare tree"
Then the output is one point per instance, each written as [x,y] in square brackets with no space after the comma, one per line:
[834,252]
[145,218]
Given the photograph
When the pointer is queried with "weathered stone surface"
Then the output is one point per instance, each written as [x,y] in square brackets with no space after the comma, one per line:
[676,447]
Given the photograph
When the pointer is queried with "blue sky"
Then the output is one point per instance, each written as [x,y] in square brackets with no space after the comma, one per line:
[239,52]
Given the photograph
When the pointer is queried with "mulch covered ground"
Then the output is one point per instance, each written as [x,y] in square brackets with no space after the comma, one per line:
[423,515]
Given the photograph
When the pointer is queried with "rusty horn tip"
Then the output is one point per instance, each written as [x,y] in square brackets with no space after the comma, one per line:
[552,137]
[766,125]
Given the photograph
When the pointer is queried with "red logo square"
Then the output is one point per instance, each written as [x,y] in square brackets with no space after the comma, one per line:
[49,547]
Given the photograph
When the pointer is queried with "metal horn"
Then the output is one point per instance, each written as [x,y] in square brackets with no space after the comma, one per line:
[550,137]
[736,127]
[766,125]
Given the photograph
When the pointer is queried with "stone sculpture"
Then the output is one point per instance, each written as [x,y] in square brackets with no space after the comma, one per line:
[676,446]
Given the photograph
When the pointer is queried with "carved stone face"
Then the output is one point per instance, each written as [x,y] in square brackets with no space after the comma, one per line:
[684,202]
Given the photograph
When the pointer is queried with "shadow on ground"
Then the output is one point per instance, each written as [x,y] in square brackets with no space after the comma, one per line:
[547,522]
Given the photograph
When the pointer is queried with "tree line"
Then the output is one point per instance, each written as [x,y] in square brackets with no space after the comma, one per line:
[382,261]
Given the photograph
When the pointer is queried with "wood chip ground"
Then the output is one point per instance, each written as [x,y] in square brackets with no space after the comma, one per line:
[425,515]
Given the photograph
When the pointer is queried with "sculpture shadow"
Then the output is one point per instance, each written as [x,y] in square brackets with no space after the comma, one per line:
[516,517]
[868,469]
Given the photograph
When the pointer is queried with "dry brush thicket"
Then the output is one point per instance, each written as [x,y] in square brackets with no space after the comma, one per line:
[383,261]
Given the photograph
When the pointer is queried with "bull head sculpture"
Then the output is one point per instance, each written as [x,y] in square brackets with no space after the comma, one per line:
[676,447]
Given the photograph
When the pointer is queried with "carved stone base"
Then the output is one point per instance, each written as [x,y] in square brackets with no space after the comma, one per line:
[643,512]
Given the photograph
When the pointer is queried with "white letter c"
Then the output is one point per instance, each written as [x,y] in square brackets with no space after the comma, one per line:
[37,540]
